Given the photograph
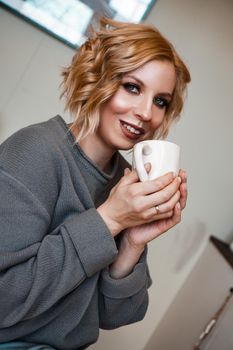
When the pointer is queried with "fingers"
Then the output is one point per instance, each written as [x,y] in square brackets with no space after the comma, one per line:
[148,167]
[183,189]
[165,195]
[161,216]
[151,214]
[126,171]
[170,204]
[165,191]
[183,195]
[143,197]
[166,220]
[130,177]
[183,175]
[175,219]
[152,186]
[158,184]
[147,187]
[164,210]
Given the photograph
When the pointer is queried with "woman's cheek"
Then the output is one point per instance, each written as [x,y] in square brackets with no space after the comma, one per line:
[122,102]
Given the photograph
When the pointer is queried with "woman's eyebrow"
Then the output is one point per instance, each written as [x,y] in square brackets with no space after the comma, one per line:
[165,94]
[135,78]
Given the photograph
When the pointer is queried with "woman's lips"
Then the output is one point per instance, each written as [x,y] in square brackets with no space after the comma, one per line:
[131,131]
[138,129]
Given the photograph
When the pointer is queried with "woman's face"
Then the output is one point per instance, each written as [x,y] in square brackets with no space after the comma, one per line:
[138,107]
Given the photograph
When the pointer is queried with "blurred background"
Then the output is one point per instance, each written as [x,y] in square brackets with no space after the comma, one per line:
[191,277]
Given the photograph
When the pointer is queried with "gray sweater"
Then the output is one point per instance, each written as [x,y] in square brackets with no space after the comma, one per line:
[55,248]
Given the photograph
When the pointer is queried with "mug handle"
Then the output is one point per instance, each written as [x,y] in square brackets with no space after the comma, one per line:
[139,150]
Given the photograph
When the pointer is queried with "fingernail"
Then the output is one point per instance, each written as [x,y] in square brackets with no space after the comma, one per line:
[148,167]
[178,205]
[179,178]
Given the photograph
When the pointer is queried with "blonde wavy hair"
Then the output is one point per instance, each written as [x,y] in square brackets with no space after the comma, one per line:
[112,50]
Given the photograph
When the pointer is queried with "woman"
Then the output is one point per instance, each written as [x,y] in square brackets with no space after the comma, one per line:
[75,220]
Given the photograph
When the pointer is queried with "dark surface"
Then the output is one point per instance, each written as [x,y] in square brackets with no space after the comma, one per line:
[223,248]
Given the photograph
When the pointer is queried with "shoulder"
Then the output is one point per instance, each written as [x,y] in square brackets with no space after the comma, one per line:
[32,144]
[33,156]
[32,153]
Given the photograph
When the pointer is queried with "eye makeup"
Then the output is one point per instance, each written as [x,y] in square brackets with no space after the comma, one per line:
[161,100]
[132,87]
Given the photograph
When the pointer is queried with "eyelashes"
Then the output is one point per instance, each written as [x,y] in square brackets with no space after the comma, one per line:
[135,89]
[161,102]
[132,88]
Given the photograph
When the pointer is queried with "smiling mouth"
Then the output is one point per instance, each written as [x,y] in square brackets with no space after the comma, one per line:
[135,130]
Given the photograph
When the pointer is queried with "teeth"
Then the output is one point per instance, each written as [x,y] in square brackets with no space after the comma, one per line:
[131,129]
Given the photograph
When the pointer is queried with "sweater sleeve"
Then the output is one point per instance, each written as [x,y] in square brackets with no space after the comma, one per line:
[33,277]
[126,298]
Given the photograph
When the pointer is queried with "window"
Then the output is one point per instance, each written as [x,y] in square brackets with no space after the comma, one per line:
[69,20]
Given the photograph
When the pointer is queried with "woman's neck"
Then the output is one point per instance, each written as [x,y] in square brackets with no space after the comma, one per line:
[98,152]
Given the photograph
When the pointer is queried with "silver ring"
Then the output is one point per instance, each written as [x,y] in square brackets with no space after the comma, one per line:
[157,209]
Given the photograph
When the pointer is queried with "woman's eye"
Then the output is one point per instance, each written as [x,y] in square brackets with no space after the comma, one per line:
[132,88]
[161,102]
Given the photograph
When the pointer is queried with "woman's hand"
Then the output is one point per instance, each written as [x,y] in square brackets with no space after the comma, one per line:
[183,189]
[132,203]
[134,239]
[139,236]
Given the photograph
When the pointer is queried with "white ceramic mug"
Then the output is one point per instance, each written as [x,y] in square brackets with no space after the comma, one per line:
[164,156]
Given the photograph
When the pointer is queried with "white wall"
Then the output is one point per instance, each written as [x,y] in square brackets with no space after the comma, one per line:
[202,33]
[31,63]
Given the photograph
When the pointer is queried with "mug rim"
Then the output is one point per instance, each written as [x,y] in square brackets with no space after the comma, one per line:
[163,141]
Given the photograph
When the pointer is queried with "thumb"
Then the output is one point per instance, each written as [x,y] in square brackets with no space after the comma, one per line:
[126,171]
[130,176]
[148,167]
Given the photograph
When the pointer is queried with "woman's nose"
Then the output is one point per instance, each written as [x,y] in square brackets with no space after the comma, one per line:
[143,109]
